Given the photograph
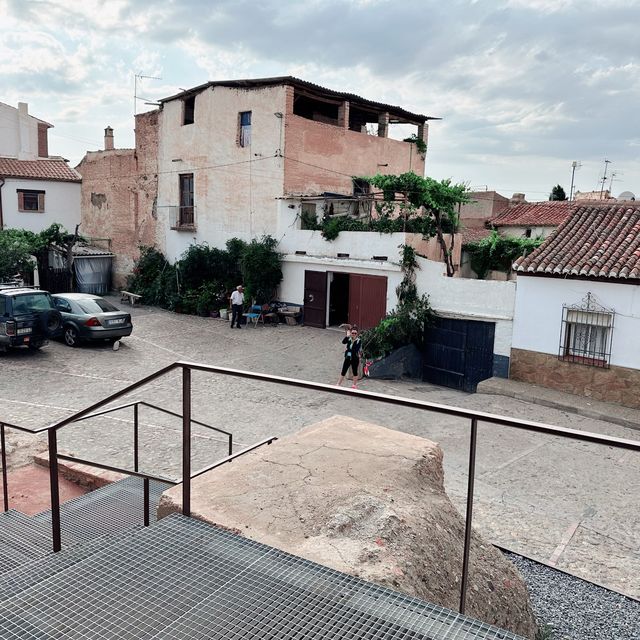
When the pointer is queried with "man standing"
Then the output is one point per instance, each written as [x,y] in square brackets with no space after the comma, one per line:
[237,301]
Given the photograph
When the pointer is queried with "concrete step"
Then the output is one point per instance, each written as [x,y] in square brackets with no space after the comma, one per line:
[183,578]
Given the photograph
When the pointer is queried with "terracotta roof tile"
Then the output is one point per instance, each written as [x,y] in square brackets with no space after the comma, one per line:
[49,169]
[596,241]
[474,234]
[535,214]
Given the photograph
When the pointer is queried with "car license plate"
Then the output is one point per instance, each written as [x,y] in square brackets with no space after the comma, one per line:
[24,331]
[117,321]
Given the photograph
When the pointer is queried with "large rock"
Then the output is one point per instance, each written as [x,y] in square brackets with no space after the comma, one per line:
[368,501]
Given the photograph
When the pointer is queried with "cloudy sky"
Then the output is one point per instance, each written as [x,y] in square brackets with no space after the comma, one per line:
[524,87]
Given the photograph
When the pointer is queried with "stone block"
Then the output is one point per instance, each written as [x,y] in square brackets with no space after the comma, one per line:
[368,501]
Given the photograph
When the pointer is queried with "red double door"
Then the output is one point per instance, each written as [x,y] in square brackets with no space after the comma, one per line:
[367,299]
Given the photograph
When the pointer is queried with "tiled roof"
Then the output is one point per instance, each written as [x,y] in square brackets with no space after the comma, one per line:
[49,169]
[597,241]
[474,234]
[302,84]
[536,214]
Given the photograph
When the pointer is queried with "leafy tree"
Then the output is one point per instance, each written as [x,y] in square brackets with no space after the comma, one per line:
[496,252]
[16,250]
[557,193]
[261,269]
[435,201]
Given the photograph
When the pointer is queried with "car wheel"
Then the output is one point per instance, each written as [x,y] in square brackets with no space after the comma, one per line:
[71,337]
[35,346]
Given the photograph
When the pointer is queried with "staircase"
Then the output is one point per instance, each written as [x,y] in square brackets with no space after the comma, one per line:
[182,578]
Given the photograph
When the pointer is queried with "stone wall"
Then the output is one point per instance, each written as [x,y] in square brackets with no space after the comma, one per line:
[617,384]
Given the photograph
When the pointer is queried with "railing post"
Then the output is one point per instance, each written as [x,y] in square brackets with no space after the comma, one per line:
[5,489]
[230,444]
[469,517]
[186,441]
[146,501]
[135,437]
[55,490]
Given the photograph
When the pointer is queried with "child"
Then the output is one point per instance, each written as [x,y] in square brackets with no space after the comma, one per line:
[351,355]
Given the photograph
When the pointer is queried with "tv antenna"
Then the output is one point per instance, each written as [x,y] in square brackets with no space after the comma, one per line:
[604,176]
[140,77]
[576,164]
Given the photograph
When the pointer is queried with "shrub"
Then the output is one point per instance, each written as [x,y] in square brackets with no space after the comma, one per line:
[261,269]
[496,252]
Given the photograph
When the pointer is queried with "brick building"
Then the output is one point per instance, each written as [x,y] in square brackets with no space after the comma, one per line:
[119,195]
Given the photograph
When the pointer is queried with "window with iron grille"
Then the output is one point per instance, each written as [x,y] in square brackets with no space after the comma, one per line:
[244,121]
[587,332]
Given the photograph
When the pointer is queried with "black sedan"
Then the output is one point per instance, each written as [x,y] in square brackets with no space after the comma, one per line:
[89,317]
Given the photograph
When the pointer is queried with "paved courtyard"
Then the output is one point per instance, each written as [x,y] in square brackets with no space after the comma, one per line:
[569,502]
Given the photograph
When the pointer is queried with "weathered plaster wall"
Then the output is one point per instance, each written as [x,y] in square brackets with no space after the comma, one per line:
[323,157]
[61,204]
[118,196]
[235,187]
[520,232]
[485,300]
[19,138]
[538,315]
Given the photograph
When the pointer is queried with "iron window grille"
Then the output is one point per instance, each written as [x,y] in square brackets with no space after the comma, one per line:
[587,333]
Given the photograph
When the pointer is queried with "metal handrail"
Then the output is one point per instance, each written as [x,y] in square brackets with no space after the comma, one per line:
[187,367]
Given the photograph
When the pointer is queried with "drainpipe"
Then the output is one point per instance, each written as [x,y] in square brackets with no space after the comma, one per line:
[1,219]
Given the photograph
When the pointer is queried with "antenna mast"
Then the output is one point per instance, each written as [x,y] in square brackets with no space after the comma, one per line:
[604,177]
[136,77]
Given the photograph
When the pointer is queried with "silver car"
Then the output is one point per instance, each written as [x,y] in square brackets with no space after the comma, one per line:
[87,317]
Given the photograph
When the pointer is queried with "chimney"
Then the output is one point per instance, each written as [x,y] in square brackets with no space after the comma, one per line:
[517,198]
[108,139]
[23,108]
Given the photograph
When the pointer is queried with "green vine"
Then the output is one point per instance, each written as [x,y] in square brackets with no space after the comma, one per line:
[405,324]
[498,253]
[421,145]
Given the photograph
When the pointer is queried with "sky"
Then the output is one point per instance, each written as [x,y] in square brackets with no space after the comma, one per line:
[523,87]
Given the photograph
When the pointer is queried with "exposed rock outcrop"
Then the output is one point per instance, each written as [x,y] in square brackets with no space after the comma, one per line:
[368,501]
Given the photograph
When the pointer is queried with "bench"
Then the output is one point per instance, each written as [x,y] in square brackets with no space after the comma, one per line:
[131,298]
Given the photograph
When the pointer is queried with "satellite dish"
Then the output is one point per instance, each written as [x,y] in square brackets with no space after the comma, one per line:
[626,195]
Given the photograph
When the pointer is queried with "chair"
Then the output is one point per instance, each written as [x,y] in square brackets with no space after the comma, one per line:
[254,314]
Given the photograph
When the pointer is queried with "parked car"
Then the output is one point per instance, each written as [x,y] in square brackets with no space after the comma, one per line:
[28,317]
[89,317]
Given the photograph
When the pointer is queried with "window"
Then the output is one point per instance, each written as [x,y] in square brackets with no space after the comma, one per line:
[308,216]
[30,200]
[361,187]
[244,123]
[587,330]
[189,110]
[186,211]
[527,233]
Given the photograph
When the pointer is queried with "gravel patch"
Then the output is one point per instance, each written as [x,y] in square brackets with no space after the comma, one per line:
[576,609]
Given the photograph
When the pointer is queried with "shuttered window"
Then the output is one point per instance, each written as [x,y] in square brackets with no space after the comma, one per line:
[30,201]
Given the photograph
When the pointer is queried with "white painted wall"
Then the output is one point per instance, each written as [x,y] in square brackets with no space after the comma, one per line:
[293,268]
[538,315]
[235,187]
[521,232]
[61,201]
[19,137]
[485,300]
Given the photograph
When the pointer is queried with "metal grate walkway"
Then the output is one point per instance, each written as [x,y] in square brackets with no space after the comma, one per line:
[184,579]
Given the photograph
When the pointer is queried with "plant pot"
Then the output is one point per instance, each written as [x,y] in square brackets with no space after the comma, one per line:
[215,314]
[224,314]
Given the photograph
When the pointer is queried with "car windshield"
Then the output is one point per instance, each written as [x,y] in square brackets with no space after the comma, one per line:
[30,302]
[95,305]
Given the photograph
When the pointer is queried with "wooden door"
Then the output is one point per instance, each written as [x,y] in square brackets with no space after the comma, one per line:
[367,300]
[315,298]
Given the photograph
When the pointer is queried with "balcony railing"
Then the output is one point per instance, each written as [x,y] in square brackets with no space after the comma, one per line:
[182,218]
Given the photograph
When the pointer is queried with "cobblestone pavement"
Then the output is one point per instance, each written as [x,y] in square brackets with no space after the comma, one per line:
[540,496]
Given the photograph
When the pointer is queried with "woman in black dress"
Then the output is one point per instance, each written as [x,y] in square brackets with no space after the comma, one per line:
[351,355]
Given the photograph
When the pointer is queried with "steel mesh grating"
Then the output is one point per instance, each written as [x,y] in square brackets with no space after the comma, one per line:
[184,579]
